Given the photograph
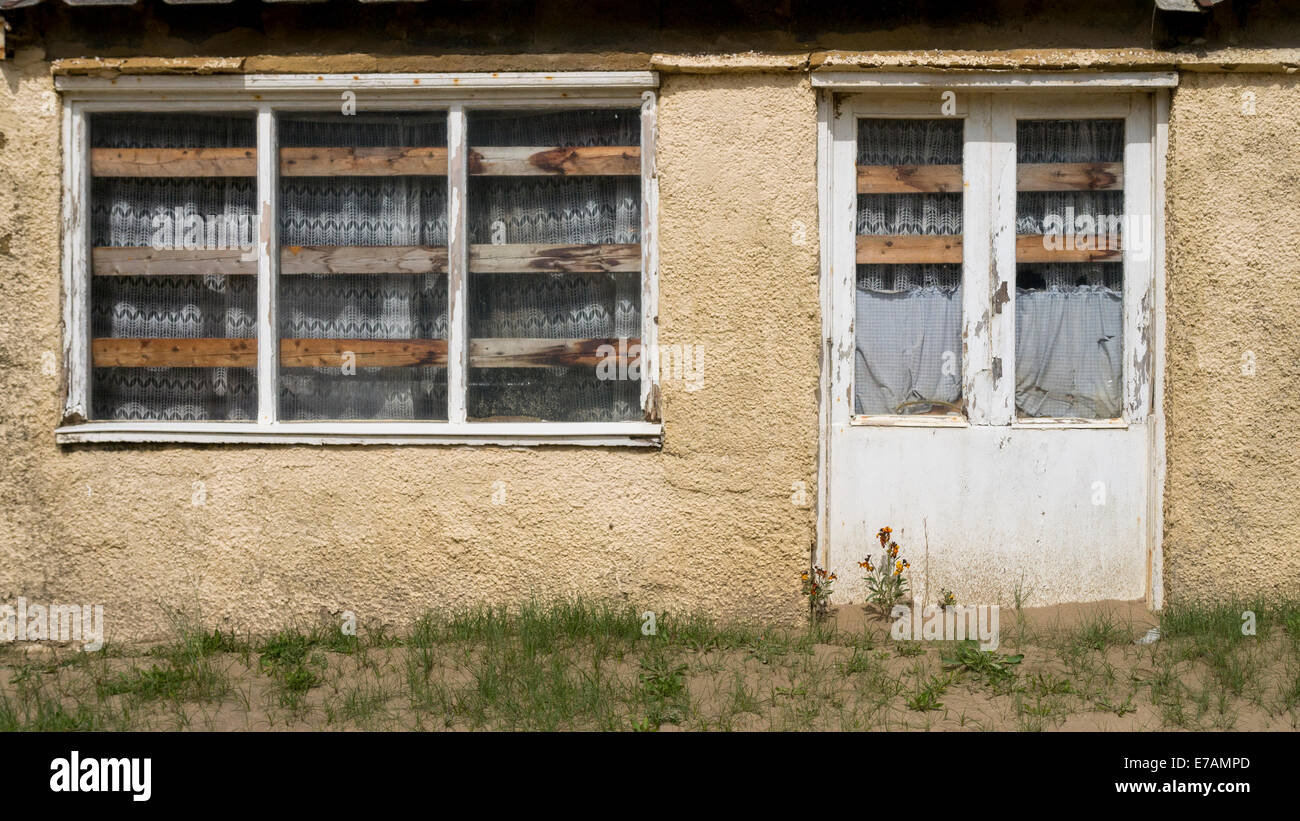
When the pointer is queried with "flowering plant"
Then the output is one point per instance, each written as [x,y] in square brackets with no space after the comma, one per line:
[817,587]
[886,584]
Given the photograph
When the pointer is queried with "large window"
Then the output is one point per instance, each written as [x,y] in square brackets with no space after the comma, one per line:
[429,265]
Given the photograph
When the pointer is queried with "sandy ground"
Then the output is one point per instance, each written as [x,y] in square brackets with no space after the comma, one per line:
[1081,669]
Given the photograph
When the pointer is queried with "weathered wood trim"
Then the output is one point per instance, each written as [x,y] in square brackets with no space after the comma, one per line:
[429,84]
[650,396]
[1000,297]
[992,80]
[268,268]
[977,345]
[386,433]
[458,265]
[76,265]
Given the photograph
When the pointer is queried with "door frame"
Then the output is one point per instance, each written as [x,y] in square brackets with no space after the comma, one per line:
[1143,403]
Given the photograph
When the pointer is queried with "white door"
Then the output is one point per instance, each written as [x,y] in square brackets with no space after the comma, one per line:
[991,298]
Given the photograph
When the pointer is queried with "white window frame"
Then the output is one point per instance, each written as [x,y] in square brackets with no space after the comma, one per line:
[265,95]
[990,104]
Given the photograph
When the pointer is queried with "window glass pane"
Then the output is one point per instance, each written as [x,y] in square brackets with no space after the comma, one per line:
[908,312]
[555,260]
[174,290]
[1069,269]
[363,277]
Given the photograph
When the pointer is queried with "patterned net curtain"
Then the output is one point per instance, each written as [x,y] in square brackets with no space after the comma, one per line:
[554,210]
[173,213]
[365,211]
[1069,317]
[907,333]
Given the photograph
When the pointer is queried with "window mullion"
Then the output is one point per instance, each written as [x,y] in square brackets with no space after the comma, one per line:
[1001,294]
[457,265]
[268,267]
[977,382]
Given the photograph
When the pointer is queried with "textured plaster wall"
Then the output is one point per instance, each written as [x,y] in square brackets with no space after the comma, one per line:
[1232,511]
[298,532]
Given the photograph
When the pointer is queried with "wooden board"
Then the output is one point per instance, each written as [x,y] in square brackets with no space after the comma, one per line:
[388,259]
[366,353]
[357,259]
[173,162]
[506,259]
[331,353]
[548,353]
[242,162]
[1032,248]
[912,179]
[901,249]
[624,160]
[174,353]
[242,353]
[908,179]
[1070,176]
[362,162]
[365,161]
[150,262]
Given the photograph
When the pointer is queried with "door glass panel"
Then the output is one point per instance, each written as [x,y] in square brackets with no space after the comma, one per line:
[1069,268]
[908,303]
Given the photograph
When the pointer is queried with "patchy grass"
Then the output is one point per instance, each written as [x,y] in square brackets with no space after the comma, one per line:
[584,665]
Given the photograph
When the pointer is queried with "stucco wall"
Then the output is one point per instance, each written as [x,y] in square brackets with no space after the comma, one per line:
[1232,512]
[295,532]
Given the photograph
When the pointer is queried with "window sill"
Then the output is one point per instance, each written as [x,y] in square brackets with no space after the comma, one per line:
[1066,424]
[595,434]
[910,421]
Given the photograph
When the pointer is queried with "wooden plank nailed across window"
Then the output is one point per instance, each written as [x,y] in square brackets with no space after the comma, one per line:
[174,353]
[366,353]
[362,162]
[550,353]
[365,161]
[242,162]
[915,179]
[578,259]
[173,162]
[623,160]
[1038,248]
[358,259]
[332,353]
[1070,176]
[903,249]
[920,248]
[908,179]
